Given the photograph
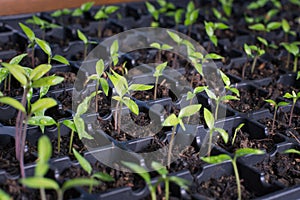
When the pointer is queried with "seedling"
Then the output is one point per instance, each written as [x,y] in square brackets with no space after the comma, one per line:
[85,41]
[287,29]
[154,12]
[38,181]
[31,36]
[121,87]
[86,166]
[238,153]
[114,53]
[178,17]
[210,29]
[43,24]
[266,43]
[295,97]
[236,130]
[219,15]
[158,72]
[178,40]
[191,16]
[84,8]
[59,13]
[276,106]
[265,28]
[253,52]
[257,4]
[29,79]
[292,48]
[103,14]
[99,80]
[210,122]
[227,7]
[161,48]
[173,120]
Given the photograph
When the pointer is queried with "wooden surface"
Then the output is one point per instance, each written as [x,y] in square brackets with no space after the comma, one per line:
[13,7]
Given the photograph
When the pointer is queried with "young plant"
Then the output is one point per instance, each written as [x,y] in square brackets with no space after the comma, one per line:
[59,13]
[178,17]
[173,120]
[295,97]
[103,14]
[84,8]
[31,37]
[292,48]
[86,166]
[227,6]
[219,15]
[266,43]
[253,52]
[38,181]
[179,41]
[154,12]
[99,81]
[114,53]
[121,88]
[191,16]
[161,48]
[85,41]
[210,122]
[158,72]
[265,28]
[28,79]
[236,130]
[287,29]
[276,106]
[211,28]
[238,153]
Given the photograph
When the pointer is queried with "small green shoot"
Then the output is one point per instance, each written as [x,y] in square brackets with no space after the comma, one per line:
[294,97]
[158,72]
[85,41]
[236,130]
[253,52]
[103,14]
[211,28]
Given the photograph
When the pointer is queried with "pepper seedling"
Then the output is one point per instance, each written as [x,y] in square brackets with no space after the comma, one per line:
[155,14]
[178,40]
[292,48]
[253,52]
[158,72]
[160,48]
[84,8]
[191,16]
[31,37]
[121,87]
[85,41]
[276,106]
[295,97]
[265,28]
[103,14]
[238,153]
[287,29]
[266,43]
[174,121]
[227,6]
[210,122]
[210,29]
[236,130]
[86,166]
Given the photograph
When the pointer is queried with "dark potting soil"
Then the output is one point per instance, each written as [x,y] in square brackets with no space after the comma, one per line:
[276,90]
[69,80]
[104,105]
[223,188]
[282,167]
[162,92]
[66,99]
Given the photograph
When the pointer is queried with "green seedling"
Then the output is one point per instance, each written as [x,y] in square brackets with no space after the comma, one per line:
[292,151]
[238,153]
[174,121]
[295,97]
[59,13]
[42,24]
[85,41]
[158,72]
[29,79]
[227,6]
[161,48]
[4,195]
[219,15]
[99,81]
[266,43]
[86,166]
[261,3]
[287,29]
[191,16]
[292,48]
[84,8]
[236,130]
[114,53]
[210,122]
[276,106]
[154,13]
[265,28]
[210,29]
[38,181]
[122,88]
[295,2]
[253,52]
[178,17]
[178,40]
[31,37]
[103,14]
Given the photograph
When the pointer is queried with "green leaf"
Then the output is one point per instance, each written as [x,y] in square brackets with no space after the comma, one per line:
[155,45]
[151,9]
[210,94]
[166,47]
[100,67]
[114,48]
[133,107]
[39,71]
[77,12]
[282,103]
[103,177]
[171,120]
[41,120]
[159,69]
[86,6]
[82,37]
[225,78]
[42,104]
[298,75]
[178,15]
[229,98]
[17,59]
[84,105]
[140,170]
[139,87]
[44,46]
[209,28]
[285,25]
[292,151]
[209,119]
[39,182]
[247,49]
[3,74]
[194,16]
[44,149]
[190,95]
[262,40]
[70,124]
[104,86]
[288,95]
[221,26]
[119,82]
[180,181]
[273,25]
[189,110]
[258,27]
[83,162]
[175,37]
[239,127]
[47,81]
[223,134]
[4,196]
[80,127]
[247,151]
[190,7]
[77,182]
[214,40]
[60,59]
[111,9]
[17,71]
[270,101]
[162,170]
[44,90]
[12,102]
[213,56]
[29,33]
[216,159]
[100,15]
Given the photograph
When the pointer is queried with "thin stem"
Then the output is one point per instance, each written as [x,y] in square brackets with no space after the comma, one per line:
[71,142]
[96,97]
[217,108]
[253,64]
[295,64]
[22,147]
[152,193]
[85,51]
[9,81]
[99,29]
[171,145]
[274,118]
[167,186]
[116,115]
[155,88]
[58,137]
[209,142]
[43,194]
[60,195]
[237,178]
[91,187]
[119,118]
[159,55]
[292,111]
[32,57]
